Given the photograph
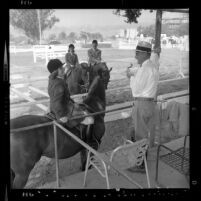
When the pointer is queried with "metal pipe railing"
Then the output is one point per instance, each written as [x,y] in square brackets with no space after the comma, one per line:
[81,95]
[106,160]
[30,127]
[92,114]
[98,113]
[126,107]
[56,154]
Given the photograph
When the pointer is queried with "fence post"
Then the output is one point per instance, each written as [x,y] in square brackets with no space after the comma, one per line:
[34,54]
[158,26]
[46,54]
[56,155]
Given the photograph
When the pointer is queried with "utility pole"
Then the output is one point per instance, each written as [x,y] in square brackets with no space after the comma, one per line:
[39,25]
[158,27]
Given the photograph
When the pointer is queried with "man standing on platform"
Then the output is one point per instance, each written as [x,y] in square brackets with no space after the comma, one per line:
[143,83]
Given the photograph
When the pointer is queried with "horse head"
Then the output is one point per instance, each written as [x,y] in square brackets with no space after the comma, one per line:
[85,69]
[103,71]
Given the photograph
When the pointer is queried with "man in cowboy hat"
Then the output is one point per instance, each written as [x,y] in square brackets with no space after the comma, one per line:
[143,83]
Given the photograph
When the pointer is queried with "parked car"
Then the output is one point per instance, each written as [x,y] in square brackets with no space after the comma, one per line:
[54,42]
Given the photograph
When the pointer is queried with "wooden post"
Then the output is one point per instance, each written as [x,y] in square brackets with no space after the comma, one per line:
[157,45]
[158,27]
[39,25]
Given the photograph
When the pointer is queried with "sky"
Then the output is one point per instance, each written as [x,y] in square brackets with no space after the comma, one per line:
[97,20]
[102,17]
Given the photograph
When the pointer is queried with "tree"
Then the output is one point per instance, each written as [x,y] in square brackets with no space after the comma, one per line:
[183,29]
[86,36]
[11,36]
[52,37]
[96,36]
[147,31]
[62,36]
[20,39]
[131,14]
[113,37]
[28,21]
[83,36]
[72,37]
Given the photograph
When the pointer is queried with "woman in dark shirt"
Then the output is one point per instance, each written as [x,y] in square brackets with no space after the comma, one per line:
[58,90]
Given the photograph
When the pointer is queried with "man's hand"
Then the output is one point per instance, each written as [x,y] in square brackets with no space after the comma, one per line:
[129,73]
[157,50]
[64,119]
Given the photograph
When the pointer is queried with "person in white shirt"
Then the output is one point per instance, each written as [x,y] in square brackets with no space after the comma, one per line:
[143,83]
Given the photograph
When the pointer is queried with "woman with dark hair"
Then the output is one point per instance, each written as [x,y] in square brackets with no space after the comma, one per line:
[71,58]
[94,54]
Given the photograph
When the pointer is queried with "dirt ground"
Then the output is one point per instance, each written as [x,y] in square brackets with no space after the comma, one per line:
[22,64]
[44,172]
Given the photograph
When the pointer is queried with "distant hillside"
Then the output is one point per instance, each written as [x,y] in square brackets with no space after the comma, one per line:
[104,30]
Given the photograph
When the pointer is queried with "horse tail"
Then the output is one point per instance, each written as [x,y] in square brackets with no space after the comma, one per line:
[12,177]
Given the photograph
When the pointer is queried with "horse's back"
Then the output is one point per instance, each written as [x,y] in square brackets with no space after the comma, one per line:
[27,120]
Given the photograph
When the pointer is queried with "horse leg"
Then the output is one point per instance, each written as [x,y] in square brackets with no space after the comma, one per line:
[22,168]
[22,174]
[83,156]
[97,133]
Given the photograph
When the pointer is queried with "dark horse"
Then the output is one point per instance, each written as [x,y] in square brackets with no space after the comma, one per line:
[28,146]
[77,79]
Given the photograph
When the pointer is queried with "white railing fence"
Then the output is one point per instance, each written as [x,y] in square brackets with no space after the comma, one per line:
[48,52]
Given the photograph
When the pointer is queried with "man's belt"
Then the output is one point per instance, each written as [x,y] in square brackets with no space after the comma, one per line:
[143,99]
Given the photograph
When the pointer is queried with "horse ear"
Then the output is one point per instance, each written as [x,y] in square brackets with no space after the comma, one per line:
[110,69]
[84,65]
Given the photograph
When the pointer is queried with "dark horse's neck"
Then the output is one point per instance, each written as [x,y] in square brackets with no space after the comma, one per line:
[96,93]
[100,91]
[96,85]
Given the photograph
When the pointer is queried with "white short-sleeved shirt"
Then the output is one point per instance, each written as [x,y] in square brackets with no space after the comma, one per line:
[144,82]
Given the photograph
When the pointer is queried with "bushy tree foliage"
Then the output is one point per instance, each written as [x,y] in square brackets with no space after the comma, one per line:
[28,21]
[131,15]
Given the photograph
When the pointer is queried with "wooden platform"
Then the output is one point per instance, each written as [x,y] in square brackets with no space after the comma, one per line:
[168,177]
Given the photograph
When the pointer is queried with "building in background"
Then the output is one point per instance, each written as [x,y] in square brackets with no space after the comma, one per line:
[127,38]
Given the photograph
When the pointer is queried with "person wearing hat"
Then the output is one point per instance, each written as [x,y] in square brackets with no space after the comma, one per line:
[94,54]
[71,58]
[144,83]
[58,90]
